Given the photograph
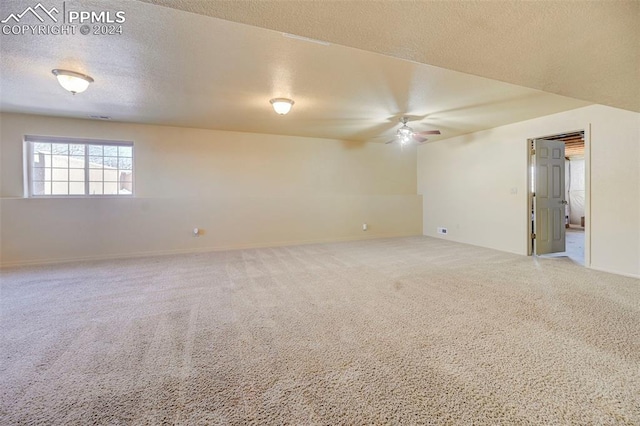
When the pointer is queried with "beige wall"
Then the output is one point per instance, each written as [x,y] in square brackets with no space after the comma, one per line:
[242,189]
[468,182]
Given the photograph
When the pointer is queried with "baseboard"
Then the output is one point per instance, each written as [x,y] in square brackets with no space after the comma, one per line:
[117,256]
[609,271]
[454,240]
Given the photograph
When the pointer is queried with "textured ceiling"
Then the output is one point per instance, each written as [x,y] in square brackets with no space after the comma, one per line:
[582,49]
[178,68]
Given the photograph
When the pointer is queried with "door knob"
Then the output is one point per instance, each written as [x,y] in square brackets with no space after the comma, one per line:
[564,202]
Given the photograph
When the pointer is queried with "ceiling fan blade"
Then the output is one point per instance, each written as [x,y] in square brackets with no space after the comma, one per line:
[418,138]
[429,132]
[391,141]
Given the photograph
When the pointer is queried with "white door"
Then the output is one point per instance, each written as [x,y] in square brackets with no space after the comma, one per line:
[549,197]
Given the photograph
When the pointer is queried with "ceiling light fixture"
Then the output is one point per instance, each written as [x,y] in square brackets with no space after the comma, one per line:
[72,81]
[281,105]
[404,134]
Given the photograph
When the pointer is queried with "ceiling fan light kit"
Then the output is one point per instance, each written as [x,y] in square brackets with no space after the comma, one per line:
[72,81]
[406,135]
[281,106]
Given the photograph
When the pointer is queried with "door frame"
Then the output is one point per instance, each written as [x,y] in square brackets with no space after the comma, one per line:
[587,192]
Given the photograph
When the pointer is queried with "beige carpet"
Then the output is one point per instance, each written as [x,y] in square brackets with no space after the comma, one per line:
[397,331]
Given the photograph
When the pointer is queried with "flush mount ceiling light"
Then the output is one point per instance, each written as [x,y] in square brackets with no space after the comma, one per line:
[72,81]
[281,105]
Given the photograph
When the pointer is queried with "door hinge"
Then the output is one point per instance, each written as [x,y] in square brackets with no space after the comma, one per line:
[533,151]
[533,236]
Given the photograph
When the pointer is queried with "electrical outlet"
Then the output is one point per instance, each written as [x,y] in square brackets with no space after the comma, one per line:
[365,226]
[442,231]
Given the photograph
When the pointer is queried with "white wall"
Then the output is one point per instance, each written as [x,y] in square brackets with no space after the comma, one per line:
[475,185]
[242,189]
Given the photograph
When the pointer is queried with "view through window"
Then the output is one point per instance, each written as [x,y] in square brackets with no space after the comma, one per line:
[70,167]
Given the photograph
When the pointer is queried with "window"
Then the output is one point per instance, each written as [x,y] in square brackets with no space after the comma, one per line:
[78,167]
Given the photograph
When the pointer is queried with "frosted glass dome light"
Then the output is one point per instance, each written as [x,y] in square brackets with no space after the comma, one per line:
[281,105]
[72,81]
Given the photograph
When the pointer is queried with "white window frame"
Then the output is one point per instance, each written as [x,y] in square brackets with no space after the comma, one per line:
[30,140]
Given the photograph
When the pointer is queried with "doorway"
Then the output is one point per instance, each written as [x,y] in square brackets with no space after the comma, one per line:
[558,194]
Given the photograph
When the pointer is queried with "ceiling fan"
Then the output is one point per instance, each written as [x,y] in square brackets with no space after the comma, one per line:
[406,135]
